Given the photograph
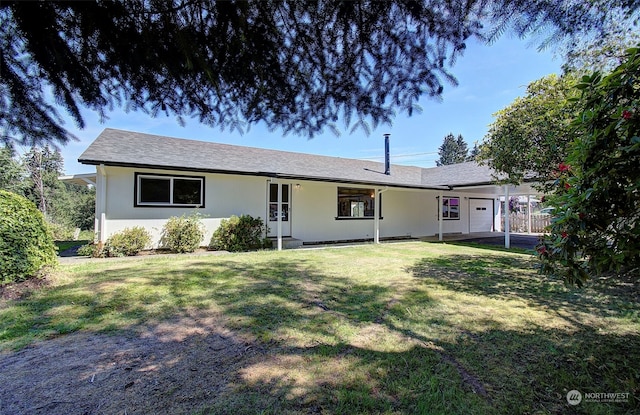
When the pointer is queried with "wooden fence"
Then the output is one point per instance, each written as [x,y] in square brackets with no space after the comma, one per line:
[518,222]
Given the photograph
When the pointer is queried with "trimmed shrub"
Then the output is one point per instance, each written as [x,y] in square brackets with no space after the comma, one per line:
[127,242]
[182,234]
[26,244]
[243,233]
[60,232]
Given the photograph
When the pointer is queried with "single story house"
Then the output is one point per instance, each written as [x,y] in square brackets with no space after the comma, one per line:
[143,179]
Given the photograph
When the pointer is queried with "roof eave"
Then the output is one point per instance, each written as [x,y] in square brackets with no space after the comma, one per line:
[261,174]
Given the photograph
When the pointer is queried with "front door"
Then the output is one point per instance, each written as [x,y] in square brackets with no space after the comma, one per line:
[272,209]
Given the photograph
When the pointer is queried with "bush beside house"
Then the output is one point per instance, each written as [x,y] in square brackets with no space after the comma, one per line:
[128,242]
[26,243]
[183,234]
[244,233]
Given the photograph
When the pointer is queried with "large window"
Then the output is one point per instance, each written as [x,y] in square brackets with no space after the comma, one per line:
[451,208]
[356,203]
[176,191]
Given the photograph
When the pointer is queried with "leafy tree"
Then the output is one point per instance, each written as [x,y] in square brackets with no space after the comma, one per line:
[35,176]
[82,201]
[531,135]
[597,189]
[453,150]
[295,65]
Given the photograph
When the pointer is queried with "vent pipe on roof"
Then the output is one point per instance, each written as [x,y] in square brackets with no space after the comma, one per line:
[387,165]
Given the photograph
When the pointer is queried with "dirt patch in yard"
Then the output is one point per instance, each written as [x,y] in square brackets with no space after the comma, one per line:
[17,290]
[178,366]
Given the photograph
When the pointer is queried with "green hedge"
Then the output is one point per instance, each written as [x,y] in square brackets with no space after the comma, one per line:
[26,243]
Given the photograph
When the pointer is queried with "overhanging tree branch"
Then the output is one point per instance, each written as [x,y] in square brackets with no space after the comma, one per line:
[295,65]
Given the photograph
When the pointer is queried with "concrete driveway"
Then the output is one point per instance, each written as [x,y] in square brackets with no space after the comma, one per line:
[518,240]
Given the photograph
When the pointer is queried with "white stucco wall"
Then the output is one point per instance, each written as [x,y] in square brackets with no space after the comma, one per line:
[405,212]
[225,195]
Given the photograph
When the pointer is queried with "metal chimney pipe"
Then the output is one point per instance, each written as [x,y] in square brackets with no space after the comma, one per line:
[387,165]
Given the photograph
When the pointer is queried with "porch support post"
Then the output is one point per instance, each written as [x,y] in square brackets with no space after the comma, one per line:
[440,216]
[376,212]
[101,204]
[528,213]
[507,227]
[279,216]
[376,216]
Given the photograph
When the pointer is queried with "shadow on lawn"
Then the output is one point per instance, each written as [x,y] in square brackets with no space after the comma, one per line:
[299,321]
[499,276]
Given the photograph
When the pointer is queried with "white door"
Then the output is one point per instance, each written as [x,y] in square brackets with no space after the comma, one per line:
[272,209]
[480,215]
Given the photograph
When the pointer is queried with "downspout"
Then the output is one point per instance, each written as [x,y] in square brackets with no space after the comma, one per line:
[279,216]
[440,215]
[376,214]
[387,158]
[507,226]
[101,203]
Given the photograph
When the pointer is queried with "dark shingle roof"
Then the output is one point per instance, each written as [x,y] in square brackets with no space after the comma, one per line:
[132,149]
[462,174]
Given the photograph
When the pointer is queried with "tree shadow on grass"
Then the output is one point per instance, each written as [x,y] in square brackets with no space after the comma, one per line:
[283,337]
[506,277]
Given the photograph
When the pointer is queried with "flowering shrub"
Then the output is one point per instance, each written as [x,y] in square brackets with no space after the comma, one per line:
[595,230]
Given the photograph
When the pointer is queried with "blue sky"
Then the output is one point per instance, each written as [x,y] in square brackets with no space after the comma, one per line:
[490,78]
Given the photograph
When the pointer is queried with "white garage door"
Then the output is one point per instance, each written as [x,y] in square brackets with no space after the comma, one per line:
[480,215]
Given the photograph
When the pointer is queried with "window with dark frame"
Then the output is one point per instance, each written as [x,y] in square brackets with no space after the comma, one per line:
[450,208]
[356,203]
[168,191]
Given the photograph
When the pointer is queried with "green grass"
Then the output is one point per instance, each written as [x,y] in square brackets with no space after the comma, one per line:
[64,245]
[398,328]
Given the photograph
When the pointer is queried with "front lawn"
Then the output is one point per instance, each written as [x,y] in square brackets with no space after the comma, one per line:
[398,328]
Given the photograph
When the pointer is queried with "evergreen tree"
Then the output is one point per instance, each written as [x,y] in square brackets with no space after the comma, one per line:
[294,65]
[475,151]
[44,166]
[12,172]
[453,150]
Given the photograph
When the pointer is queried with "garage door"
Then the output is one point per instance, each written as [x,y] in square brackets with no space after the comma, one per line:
[480,215]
